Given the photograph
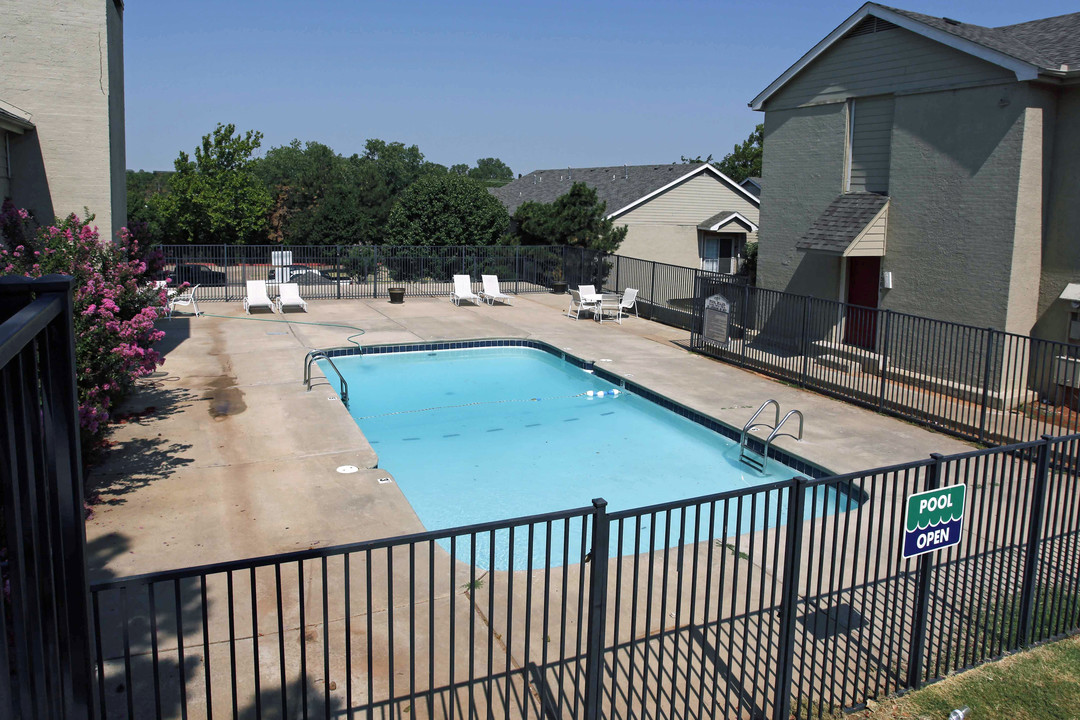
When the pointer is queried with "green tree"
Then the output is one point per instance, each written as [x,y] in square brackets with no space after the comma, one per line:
[460,169]
[578,218]
[146,202]
[217,198]
[491,169]
[446,209]
[745,160]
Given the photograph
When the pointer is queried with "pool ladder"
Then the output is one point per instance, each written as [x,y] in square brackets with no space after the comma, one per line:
[760,460]
[310,359]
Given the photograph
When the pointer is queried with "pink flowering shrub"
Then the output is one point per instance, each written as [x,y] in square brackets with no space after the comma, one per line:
[115,305]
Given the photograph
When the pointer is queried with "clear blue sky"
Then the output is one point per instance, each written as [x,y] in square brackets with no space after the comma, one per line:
[540,85]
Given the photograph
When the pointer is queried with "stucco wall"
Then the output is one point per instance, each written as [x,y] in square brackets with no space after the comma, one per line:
[1061,240]
[802,171]
[58,66]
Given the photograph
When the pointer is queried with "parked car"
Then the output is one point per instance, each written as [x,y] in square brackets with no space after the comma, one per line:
[304,275]
[196,275]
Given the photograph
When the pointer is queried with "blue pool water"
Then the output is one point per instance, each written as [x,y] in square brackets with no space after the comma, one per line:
[487,434]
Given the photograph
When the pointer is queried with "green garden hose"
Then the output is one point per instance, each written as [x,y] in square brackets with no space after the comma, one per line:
[293,322]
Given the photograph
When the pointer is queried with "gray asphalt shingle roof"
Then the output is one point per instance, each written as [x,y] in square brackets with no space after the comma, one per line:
[617,186]
[718,218]
[1049,43]
[841,222]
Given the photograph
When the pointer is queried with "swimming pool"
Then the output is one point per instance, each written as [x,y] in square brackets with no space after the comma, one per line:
[478,435]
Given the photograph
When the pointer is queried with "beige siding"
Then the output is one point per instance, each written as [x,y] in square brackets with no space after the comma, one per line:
[664,229]
[893,61]
[672,244]
[695,200]
[872,242]
[871,130]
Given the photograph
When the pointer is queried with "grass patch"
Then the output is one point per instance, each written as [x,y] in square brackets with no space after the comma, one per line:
[1041,684]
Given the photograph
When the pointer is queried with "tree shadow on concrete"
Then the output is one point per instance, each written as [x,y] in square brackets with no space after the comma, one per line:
[145,456]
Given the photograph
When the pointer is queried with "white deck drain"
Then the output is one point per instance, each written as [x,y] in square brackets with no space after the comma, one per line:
[347,469]
[604,360]
[383,481]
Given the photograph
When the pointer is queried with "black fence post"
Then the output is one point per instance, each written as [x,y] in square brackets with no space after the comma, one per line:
[745,322]
[922,589]
[883,364]
[652,291]
[243,274]
[986,383]
[1034,542]
[805,347]
[789,597]
[517,269]
[337,269]
[375,271]
[598,582]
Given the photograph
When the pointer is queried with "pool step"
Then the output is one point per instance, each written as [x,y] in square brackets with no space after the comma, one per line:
[760,460]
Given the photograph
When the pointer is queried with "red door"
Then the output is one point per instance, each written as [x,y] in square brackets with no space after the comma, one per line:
[863,278]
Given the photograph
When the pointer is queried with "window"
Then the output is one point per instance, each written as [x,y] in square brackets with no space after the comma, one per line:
[869,136]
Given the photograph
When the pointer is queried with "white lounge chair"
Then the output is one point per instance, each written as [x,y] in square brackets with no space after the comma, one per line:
[463,290]
[491,291]
[183,297]
[626,304]
[257,297]
[289,296]
[579,303]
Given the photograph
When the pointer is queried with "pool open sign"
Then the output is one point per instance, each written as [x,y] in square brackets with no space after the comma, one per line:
[934,520]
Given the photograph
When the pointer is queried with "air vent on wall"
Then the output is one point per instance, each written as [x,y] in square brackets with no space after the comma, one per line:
[871,24]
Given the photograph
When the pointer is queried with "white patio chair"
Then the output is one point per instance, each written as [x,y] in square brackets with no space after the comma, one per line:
[257,296]
[491,291]
[463,290]
[626,304]
[588,292]
[289,296]
[185,298]
[579,303]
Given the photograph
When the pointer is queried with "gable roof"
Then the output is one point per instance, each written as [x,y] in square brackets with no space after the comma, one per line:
[842,222]
[621,187]
[752,184]
[726,217]
[1049,47]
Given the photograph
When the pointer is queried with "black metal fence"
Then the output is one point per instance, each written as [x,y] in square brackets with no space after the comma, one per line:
[978,383]
[353,272]
[787,599]
[666,292]
[46,658]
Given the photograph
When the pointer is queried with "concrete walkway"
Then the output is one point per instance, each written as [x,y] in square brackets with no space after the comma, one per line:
[226,456]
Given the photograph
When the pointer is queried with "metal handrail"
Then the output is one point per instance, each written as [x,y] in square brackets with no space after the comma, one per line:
[750,423]
[776,431]
[310,359]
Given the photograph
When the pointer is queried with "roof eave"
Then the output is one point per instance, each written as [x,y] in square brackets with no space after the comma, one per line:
[701,169]
[1023,70]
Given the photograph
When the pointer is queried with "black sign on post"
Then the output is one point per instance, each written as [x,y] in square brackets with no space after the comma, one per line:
[717,319]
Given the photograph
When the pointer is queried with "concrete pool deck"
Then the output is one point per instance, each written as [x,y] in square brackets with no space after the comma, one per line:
[226,456]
